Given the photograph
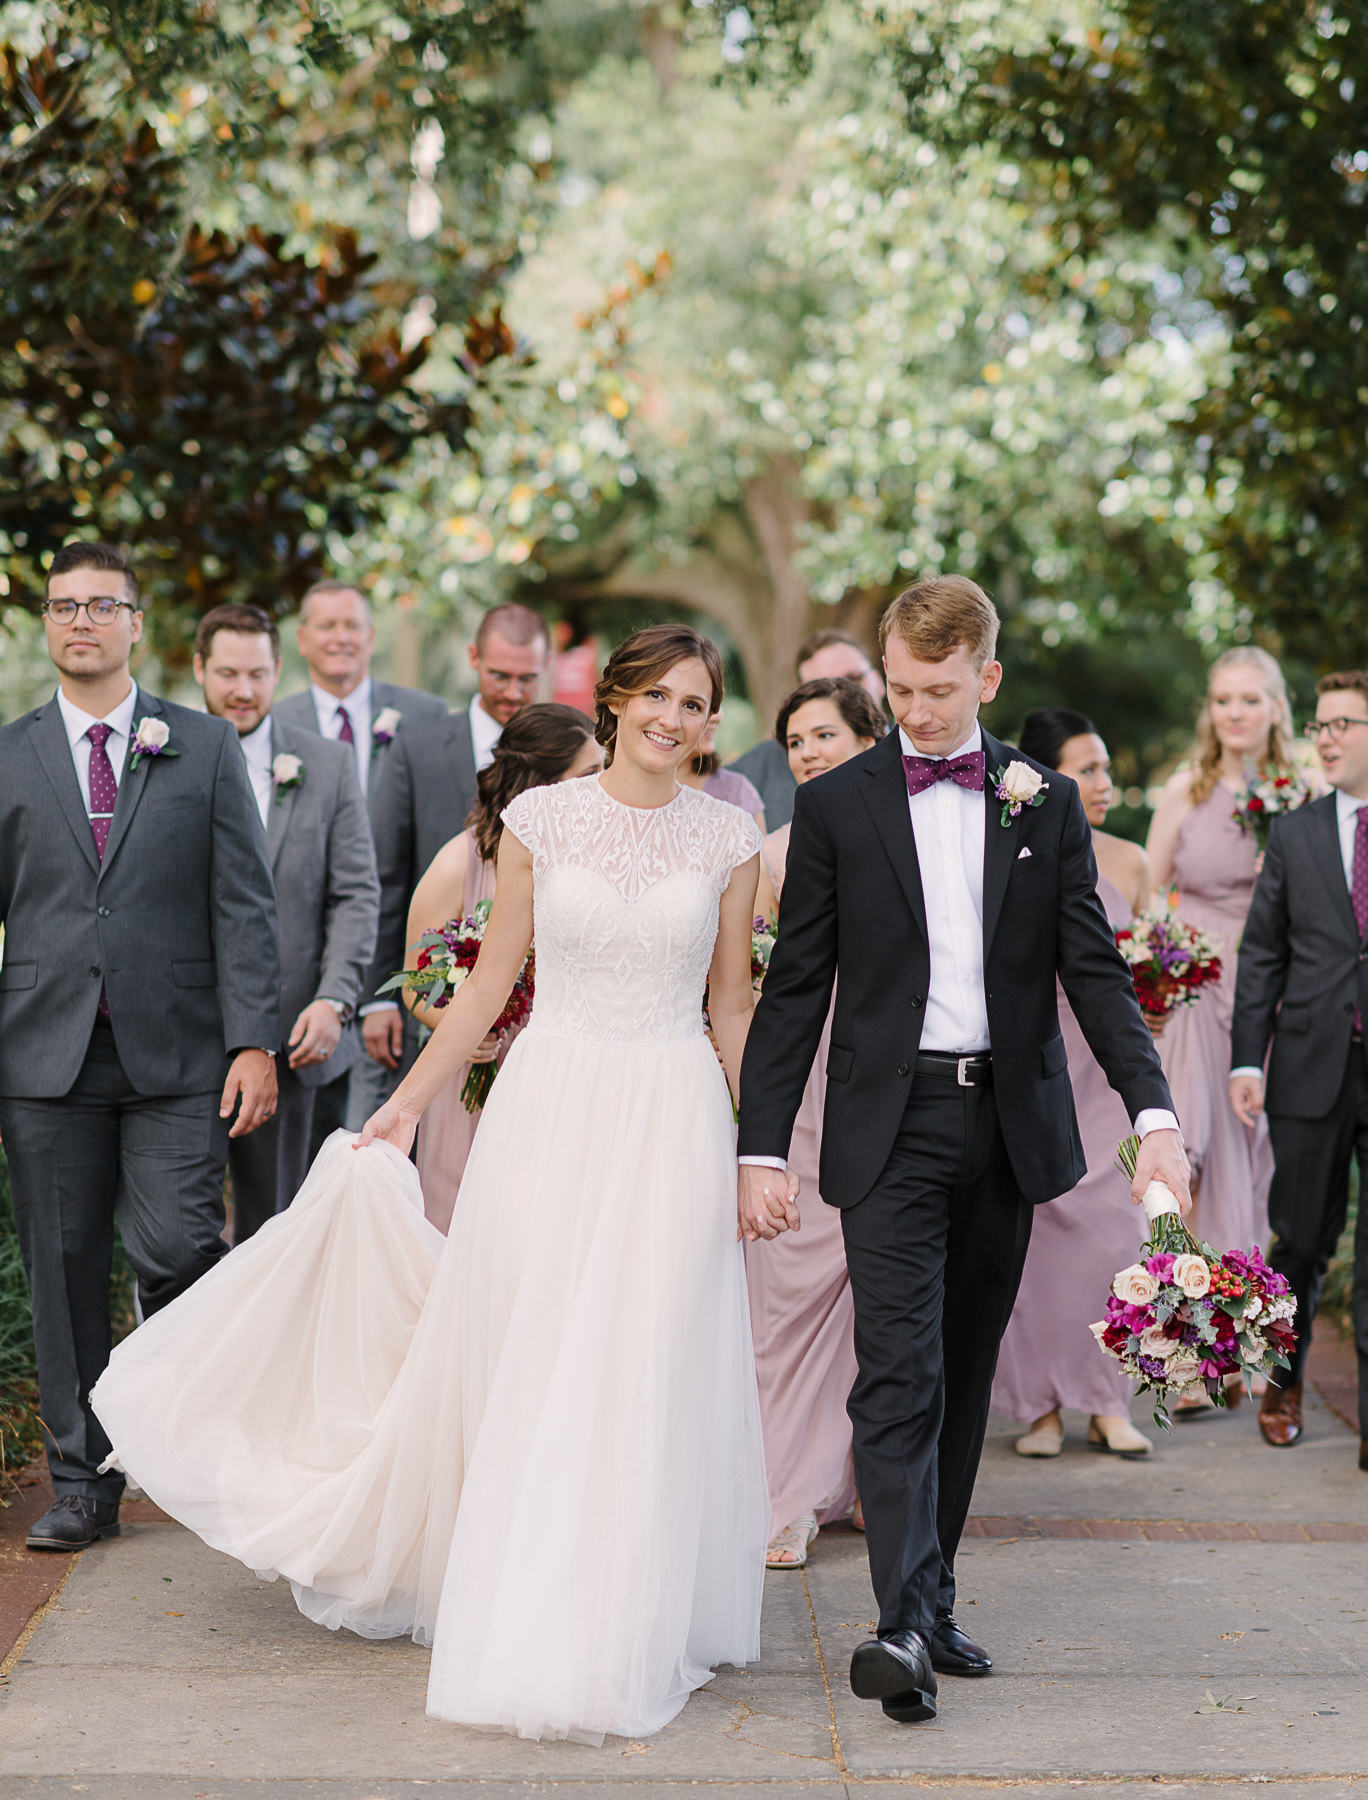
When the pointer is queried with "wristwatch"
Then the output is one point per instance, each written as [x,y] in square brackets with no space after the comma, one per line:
[344,1012]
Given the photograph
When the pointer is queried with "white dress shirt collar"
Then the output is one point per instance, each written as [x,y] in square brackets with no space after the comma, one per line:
[357,703]
[256,748]
[484,734]
[973,742]
[79,722]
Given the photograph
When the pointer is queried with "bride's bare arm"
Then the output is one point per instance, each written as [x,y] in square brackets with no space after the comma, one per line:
[731,998]
[474,1006]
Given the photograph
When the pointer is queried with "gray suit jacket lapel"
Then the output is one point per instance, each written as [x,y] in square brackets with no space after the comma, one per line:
[53,751]
[285,739]
[134,780]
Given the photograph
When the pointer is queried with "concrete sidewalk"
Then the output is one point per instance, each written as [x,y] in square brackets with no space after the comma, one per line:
[1118,1598]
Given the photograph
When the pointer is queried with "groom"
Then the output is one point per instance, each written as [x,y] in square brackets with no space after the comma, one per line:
[942,918]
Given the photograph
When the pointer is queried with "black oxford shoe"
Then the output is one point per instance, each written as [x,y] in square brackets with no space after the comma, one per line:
[952,1653]
[73,1522]
[897,1671]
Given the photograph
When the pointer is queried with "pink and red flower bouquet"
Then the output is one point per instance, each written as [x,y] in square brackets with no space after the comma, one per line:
[1180,1319]
[1269,796]
[1170,962]
[445,957]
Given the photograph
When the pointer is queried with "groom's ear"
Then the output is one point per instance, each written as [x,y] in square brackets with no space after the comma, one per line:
[991,682]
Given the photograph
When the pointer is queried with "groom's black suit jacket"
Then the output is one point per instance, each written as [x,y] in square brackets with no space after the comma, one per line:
[852,905]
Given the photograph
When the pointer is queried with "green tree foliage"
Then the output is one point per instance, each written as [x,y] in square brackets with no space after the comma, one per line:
[1236,138]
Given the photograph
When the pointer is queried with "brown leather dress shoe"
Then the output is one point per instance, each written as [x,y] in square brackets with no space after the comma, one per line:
[1280,1415]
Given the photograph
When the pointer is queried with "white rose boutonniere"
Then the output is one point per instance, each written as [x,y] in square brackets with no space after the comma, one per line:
[386,724]
[151,737]
[1018,786]
[286,772]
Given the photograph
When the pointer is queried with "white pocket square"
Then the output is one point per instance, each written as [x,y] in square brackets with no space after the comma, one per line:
[1024,851]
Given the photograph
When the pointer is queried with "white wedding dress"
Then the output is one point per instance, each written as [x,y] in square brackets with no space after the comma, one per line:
[534,1444]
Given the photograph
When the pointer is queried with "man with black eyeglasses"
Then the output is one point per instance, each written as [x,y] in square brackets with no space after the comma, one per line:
[139,1001]
[427,789]
[1302,986]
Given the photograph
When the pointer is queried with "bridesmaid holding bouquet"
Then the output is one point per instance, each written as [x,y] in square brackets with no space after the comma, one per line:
[540,745]
[1197,844]
[1048,1360]
[802,1315]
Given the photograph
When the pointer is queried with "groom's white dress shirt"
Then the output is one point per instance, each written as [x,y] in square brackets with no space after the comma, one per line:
[484,735]
[78,723]
[948,823]
[358,706]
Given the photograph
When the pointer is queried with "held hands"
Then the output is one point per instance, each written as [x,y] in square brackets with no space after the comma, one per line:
[766,1202]
[382,1034]
[251,1081]
[1163,1158]
[391,1124]
[316,1034]
[1246,1098]
[487,1048]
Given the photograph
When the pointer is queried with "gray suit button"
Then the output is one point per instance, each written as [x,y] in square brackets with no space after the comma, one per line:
[103,911]
[902,1068]
[95,971]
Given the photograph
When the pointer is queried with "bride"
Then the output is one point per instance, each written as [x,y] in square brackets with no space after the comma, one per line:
[535,1444]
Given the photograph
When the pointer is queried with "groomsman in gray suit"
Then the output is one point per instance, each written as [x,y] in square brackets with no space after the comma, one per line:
[428,788]
[139,1001]
[336,638]
[327,896]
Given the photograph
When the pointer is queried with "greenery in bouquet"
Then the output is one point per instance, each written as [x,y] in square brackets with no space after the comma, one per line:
[1170,962]
[446,955]
[1270,794]
[1182,1320]
[764,936]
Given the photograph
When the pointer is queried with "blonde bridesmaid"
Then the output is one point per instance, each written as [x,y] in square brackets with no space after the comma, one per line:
[1196,844]
[540,745]
[802,1317]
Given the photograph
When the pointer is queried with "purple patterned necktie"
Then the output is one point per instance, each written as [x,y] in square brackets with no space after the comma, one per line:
[1358,885]
[925,771]
[346,735]
[104,791]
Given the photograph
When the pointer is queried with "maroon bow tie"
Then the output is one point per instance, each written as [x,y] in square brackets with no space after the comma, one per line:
[925,771]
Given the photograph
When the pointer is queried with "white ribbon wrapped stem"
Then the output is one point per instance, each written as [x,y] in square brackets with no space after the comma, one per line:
[1158,1199]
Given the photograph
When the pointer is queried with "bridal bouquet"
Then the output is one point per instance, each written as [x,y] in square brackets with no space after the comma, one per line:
[764,936]
[1269,796]
[1180,1319]
[445,957]
[1170,962]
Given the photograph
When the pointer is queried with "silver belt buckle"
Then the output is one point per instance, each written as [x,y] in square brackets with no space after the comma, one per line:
[960,1068]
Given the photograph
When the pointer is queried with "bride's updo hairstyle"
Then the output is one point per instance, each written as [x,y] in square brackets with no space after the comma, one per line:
[535,749]
[1206,749]
[642,660]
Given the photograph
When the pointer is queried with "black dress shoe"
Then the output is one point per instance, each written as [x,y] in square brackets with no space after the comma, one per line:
[74,1521]
[897,1671]
[952,1653]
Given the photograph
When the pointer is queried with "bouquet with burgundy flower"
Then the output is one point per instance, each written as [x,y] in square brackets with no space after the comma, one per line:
[1181,1319]
[764,936]
[1170,962]
[445,957]
[1269,796]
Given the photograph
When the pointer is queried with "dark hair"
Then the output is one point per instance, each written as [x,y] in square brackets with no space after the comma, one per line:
[856,707]
[76,554]
[824,640]
[535,748]
[519,624]
[250,620]
[1344,681]
[1045,732]
[643,659]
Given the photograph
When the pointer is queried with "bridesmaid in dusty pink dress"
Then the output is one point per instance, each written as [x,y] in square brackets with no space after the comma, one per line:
[540,745]
[1048,1360]
[1196,844]
[707,775]
[802,1316]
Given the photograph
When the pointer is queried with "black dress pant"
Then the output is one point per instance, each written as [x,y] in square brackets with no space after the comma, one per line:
[1307,1203]
[100,1151]
[935,1252]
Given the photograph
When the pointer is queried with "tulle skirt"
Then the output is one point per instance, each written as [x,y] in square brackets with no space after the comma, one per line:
[535,1444]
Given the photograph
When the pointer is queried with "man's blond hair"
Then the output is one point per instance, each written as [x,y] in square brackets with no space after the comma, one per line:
[933,618]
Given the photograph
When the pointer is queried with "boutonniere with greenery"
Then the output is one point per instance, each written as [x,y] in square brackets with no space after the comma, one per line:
[1018,786]
[151,738]
[386,724]
[286,772]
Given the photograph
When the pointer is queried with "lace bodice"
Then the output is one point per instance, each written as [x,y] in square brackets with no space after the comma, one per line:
[625,907]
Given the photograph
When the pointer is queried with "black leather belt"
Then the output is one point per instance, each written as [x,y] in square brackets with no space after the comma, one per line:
[975,1070]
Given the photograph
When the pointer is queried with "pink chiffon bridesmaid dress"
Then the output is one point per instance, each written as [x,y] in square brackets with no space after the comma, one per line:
[1048,1357]
[803,1322]
[1214,867]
